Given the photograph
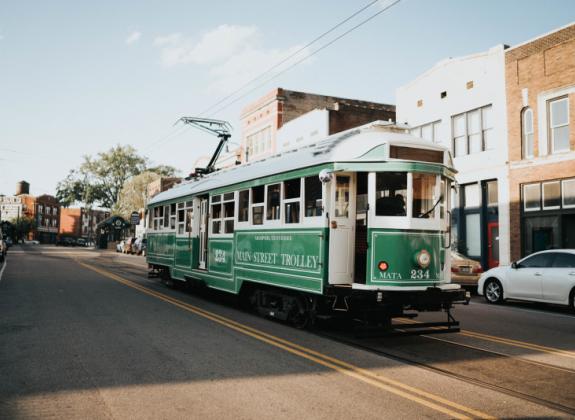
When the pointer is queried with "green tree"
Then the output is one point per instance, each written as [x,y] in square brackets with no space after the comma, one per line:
[22,226]
[133,195]
[99,180]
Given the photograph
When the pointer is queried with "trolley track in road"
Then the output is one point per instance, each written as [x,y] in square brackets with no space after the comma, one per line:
[462,377]
[519,363]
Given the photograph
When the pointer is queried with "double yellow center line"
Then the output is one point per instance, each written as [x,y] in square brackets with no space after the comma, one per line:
[435,402]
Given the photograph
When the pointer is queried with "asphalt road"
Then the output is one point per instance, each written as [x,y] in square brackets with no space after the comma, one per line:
[86,335]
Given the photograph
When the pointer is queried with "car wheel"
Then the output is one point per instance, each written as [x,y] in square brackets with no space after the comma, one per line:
[493,291]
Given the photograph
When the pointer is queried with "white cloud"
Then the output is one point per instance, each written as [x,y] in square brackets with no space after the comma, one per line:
[133,38]
[1,37]
[233,54]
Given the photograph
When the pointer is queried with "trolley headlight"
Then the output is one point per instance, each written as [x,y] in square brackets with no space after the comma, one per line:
[423,258]
[383,266]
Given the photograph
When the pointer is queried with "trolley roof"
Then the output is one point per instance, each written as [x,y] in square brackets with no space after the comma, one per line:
[351,145]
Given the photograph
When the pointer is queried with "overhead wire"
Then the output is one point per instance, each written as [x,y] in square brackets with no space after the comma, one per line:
[290,56]
[363,22]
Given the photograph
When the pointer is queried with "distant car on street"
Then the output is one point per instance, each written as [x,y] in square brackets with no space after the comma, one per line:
[81,242]
[464,270]
[545,276]
[9,242]
[66,241]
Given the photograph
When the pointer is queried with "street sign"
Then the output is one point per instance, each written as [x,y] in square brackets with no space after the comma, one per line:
[135,218]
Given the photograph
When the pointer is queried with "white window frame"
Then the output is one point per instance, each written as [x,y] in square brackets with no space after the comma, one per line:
[525,186]
[180,206]
[563,182]
[232,218]
[543,195]
[285,201]
[253,205]
[525,133]
[313,220]
[466,135]
[278,221]
[552,127]
[417,131]
[213,219]
[246,223]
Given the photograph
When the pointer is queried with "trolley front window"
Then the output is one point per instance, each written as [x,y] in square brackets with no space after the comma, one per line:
[424,195]
[391,194]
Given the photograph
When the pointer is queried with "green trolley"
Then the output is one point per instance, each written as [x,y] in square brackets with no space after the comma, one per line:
[355,224]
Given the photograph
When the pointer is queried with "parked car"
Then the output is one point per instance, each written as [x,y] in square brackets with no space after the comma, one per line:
[81,242]
[464,271]
[9,242]
[545,276]
[3,249]
[66,241]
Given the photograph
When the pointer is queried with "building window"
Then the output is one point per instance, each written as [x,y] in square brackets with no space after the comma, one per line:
[258,143]
[472,196]
[473,131]
[428,131]
[551,195]
[559,124]
[569,193]
[492,193]
[532,197]
[527,128]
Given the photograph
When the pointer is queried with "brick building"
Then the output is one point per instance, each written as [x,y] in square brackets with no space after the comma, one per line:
[262,119]
[81,222]
[45,210]
[540,90]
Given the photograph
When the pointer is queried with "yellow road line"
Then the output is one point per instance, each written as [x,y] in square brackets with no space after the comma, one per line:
[508,341]
[413,394]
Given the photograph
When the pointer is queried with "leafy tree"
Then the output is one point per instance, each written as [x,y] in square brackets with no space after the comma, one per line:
[133,195]
[99,180]
[22,226]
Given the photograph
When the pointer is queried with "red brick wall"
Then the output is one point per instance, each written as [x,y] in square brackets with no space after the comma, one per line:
[542,65]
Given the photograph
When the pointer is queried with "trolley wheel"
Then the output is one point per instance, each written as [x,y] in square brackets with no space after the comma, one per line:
[166,278]
[493,291]
[300,315]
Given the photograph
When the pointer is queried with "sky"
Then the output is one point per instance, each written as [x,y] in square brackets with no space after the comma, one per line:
[77,78]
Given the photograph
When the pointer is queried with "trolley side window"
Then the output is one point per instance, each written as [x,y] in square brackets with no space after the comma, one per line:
[181,218]
[258,205]
[391,194]
[424,195]
[189,216]
[216,214]
[273,202]
[173,216]
[166,217]
[292,197]
[313,196]
[244,206]
[229,205]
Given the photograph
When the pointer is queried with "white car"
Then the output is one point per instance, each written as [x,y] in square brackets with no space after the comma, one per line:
[545,276]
